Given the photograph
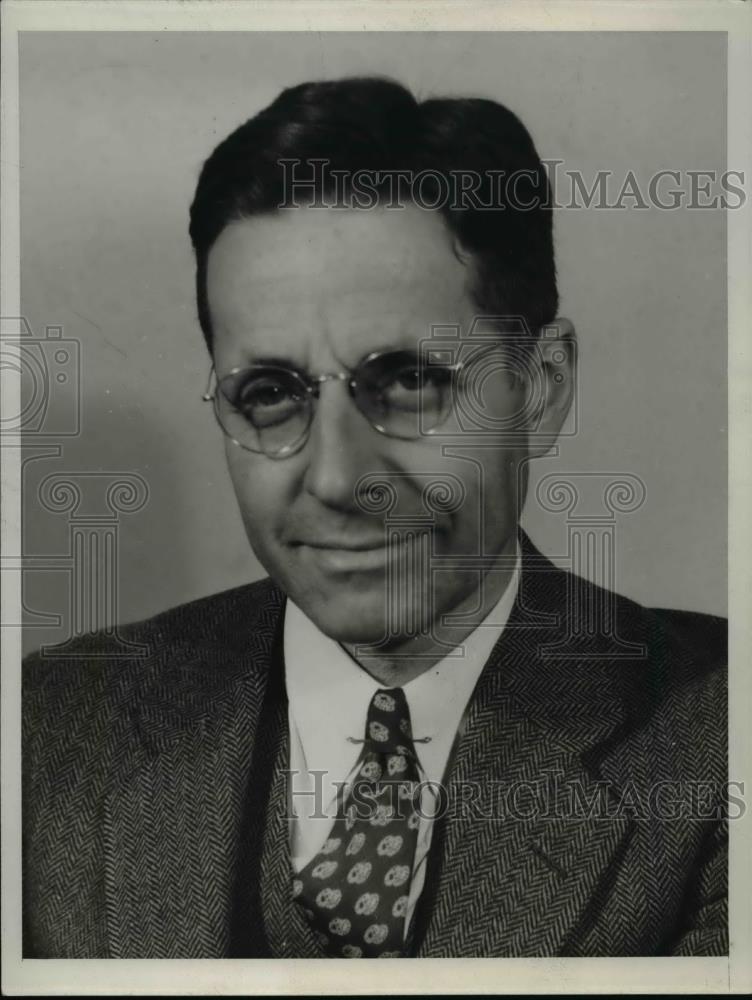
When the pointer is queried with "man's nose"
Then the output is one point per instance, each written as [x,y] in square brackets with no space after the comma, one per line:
[340,448]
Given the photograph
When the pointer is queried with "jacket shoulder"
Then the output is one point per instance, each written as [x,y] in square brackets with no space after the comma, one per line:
[683,659]
[660,669]
[706,635]
[598,621]
[674,694]
[189,647]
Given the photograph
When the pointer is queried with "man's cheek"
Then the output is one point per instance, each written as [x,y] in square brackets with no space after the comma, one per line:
[259,521]
[260,531]
[251,490]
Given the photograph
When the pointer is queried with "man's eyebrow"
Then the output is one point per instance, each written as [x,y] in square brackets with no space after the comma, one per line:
[274,360]
[278,361]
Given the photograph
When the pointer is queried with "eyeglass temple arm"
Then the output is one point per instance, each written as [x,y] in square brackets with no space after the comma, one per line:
[208,394]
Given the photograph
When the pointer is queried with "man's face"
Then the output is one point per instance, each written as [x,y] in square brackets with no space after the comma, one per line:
[323,288]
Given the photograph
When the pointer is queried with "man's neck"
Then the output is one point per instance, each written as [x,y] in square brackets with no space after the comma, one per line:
[405,660]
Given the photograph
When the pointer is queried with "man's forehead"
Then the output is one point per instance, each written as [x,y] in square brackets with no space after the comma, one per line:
[312,244]
[386,276]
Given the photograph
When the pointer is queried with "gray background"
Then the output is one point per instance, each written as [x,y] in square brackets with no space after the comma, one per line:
[114,128]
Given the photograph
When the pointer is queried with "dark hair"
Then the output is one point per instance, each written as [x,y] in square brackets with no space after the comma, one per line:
[373,124]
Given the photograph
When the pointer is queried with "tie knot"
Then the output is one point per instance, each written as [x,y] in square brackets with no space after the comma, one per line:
[388,728]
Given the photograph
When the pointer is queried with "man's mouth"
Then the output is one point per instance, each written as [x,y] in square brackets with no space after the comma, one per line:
[353,555]
[364,544]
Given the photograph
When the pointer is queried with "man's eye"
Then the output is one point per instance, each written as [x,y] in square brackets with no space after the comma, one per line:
[413,387]
[410,379]
[262,393]
[267,400]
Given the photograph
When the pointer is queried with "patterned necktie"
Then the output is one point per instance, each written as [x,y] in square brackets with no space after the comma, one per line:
[354,892]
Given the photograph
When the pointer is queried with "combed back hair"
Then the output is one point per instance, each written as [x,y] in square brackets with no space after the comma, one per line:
[374,124]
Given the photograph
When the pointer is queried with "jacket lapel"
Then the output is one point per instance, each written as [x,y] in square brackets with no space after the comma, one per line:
[517,861]
[287,931]
[176,824]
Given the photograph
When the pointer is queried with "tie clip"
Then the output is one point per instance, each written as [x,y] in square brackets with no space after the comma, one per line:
[416,739]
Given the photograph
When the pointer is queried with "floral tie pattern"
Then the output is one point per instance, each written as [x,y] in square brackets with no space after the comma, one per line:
[354,892]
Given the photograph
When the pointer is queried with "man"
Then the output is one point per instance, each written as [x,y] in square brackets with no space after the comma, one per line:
[418,737]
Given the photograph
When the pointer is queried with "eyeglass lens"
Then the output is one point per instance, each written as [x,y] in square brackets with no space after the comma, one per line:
[269,408]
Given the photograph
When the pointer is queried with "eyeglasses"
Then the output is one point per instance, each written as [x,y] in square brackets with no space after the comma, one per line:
[269,408]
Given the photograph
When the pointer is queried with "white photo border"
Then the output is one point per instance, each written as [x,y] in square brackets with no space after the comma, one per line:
[444,976]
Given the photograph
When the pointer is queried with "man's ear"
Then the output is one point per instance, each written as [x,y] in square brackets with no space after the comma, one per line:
[555,377]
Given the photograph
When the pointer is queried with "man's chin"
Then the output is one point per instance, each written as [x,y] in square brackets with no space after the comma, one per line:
[350,604]
[346,618]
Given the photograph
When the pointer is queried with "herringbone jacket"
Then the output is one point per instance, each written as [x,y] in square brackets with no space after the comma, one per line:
[585,797]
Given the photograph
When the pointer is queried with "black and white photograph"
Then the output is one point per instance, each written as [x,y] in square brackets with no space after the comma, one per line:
[372,480]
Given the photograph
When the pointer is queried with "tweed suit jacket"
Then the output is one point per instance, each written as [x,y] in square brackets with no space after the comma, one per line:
[155,796]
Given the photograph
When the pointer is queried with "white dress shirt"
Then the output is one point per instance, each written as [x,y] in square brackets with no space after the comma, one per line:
[329,695]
